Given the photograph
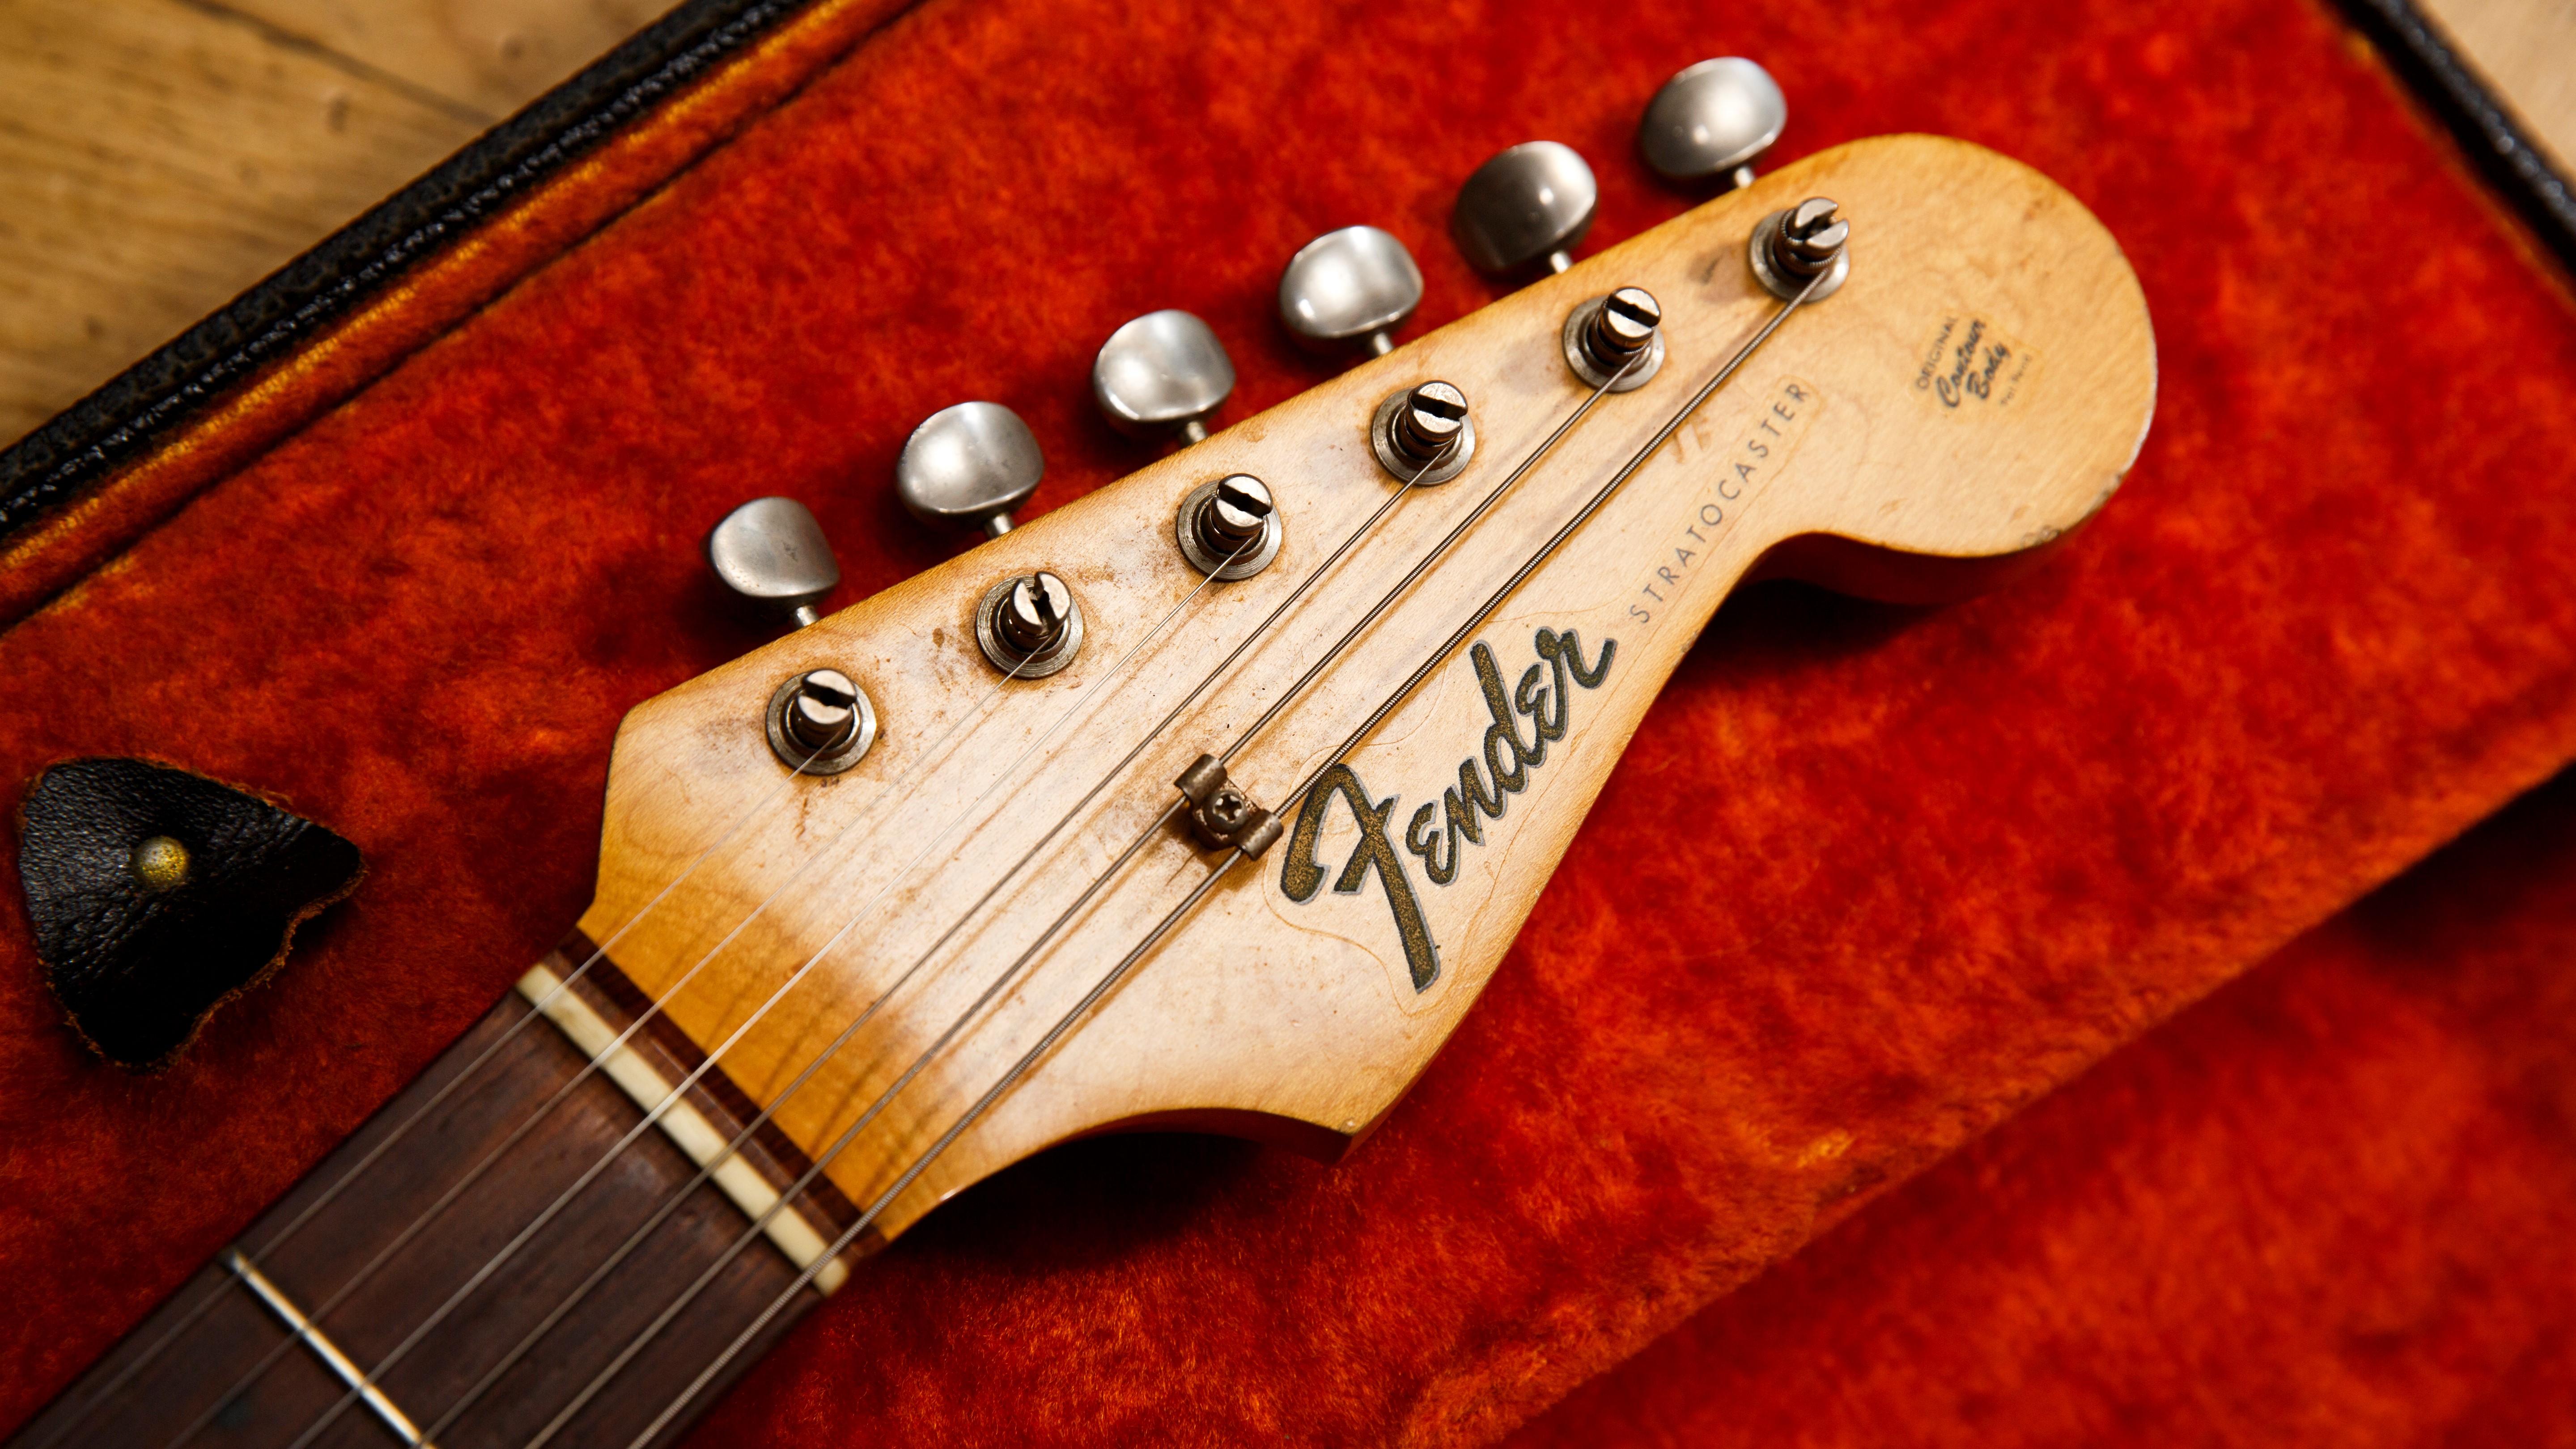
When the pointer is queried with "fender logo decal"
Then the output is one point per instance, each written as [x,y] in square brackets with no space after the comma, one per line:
[1438,832]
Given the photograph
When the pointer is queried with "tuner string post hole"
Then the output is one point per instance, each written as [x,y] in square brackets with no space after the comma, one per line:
[820,722]
[1424,434]
[1229,528]
[1029,625]
[1616,341]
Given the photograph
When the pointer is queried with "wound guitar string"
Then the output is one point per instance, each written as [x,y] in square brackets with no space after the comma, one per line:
[1109,979]
[1011,972]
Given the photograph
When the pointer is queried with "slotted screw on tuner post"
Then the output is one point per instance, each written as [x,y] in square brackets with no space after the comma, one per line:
[1616,341]
[1425,434]
[1030,625]
[1230,528]
[1803,250]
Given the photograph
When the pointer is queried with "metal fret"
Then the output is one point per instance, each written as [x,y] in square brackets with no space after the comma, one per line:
[323,1348]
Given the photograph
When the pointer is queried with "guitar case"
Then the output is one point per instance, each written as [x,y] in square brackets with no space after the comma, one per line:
[2128,1008]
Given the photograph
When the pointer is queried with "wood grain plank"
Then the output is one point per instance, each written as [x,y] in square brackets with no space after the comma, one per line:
[155,159]
[494,55]
[2527,51]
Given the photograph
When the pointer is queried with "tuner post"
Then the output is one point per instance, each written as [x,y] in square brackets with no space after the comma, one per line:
[1791,249]
[1605,335]
[820,722]
[1424,434]
[1029,625]
[1229,528]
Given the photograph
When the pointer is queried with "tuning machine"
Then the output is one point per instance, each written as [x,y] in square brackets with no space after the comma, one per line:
[1529,203]
[1162,374]
[1713,119]
[771,552]
[1357,284]
[972,464]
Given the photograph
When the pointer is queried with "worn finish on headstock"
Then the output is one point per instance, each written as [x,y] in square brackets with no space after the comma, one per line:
[1978,388]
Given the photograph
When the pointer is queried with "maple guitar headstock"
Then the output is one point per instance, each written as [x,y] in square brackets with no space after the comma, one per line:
[914,963]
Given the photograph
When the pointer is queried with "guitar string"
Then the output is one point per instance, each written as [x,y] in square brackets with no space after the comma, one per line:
[225,1285]
[677,1093]
[473,1174]
[636,1238]
[847,926]
[1109,980]
[1009,973]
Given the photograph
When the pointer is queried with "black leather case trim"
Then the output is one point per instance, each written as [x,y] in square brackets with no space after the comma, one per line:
[2485,127]
[56,463]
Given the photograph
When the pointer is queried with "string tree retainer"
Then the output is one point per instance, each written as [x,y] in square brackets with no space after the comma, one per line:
[1221,815]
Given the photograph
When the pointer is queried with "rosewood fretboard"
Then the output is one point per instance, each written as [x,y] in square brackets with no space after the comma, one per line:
[140,1397]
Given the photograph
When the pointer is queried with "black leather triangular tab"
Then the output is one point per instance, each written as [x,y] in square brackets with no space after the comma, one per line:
[157,894]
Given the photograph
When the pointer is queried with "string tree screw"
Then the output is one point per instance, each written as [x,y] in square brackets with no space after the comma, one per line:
[1417,425]
[1605,334]
[1221,814]
[1713,119]
[822,721]
[1234,517]
[1793,247]
[1530,203]
[1160,375]
[973,463]
[1357,284]
[1029,625]
[771,552]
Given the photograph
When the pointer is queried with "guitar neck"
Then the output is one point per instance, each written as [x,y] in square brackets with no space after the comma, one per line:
[340,1280]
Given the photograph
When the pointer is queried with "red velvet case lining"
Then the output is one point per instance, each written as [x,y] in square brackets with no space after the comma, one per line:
[1869,881]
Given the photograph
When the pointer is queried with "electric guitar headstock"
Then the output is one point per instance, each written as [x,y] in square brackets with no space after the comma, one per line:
[946,904]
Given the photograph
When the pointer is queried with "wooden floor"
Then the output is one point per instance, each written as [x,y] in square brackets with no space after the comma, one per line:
[158,156]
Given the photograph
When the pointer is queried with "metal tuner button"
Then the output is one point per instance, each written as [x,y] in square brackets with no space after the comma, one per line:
[1529,204]
[1712,120]
[970,464]
[1356,285]
[1162,375]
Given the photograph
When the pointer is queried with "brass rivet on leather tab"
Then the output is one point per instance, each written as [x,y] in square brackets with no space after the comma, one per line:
[159,864]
